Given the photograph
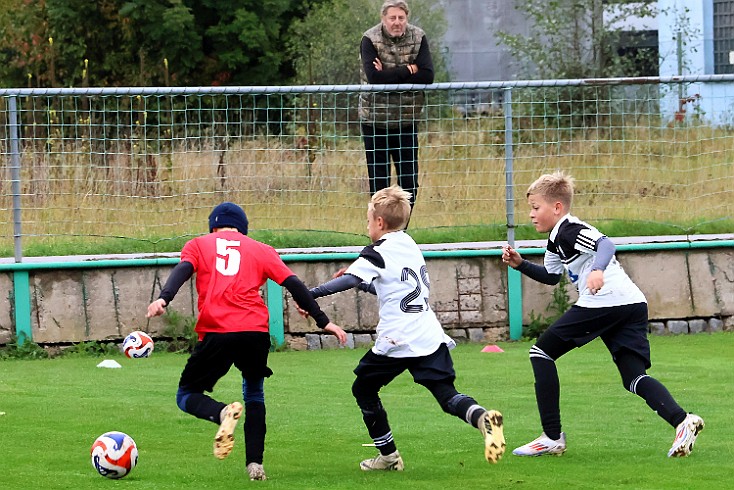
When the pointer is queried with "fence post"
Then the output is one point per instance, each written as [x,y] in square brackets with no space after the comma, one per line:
[275,309]
[15,175]
[21,282]
[514,283]
[21,293]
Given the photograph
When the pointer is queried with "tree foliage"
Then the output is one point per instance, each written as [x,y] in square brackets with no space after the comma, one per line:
[324,45]
[165,36]
[244,40]
[578,39]
[145,42]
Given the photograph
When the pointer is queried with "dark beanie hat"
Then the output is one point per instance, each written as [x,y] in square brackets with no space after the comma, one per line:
[228,215]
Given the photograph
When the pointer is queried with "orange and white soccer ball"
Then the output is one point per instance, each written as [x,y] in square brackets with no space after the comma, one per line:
[137,344]
[114,454]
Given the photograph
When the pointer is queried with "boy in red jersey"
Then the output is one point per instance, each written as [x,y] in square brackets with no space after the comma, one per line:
[232,326]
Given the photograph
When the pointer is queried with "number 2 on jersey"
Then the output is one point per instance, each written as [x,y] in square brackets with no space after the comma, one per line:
[405,303]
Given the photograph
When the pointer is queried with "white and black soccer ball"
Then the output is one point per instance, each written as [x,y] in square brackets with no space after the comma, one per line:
[137,344]
[114,454]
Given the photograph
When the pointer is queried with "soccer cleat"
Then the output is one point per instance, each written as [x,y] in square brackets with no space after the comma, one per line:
[390,462]
[685,436]
[490,425]
[224,440]
[542,445]
[256,471]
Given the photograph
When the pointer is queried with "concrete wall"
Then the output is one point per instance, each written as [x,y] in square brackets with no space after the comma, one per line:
[469,296]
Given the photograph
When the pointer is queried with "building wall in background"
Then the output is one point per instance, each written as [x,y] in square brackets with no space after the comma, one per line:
[473,51]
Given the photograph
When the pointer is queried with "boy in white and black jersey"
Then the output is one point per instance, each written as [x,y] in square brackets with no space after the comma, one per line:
[409,336]
[610,306]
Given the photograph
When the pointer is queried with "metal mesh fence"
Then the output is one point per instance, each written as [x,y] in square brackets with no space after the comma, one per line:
[150,164]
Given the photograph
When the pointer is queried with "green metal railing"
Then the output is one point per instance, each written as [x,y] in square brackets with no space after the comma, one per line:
[22,293]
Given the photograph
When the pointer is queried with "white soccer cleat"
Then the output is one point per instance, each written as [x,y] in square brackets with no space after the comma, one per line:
[685,436]
[256,472]
[490,425]
[542,445]
[224,440]
[390,462]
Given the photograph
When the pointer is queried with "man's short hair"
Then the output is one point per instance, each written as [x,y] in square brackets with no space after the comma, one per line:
[401,4]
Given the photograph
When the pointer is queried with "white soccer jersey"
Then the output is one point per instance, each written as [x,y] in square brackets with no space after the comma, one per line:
[572,248]
[408,327]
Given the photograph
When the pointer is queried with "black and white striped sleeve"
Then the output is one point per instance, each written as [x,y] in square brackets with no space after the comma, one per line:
[586,240]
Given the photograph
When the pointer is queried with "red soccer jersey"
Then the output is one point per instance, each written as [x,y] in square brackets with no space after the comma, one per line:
[230,270]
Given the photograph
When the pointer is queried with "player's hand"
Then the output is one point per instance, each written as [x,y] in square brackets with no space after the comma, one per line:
[156,308]
[301,311]
[511,257]
[377,64]
[338,331]
[338,273]
[595,281]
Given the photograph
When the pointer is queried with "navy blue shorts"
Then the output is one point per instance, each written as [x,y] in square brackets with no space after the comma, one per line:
[213,356]
[620,327]
[376,370]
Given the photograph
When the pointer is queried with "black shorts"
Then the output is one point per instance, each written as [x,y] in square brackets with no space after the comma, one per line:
[620,327]
[213,356]
[377,370]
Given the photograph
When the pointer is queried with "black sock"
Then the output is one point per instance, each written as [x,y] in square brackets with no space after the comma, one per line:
[466,408]
[255,429]
[659,399]
[202,406]
[375,419]
[547,395]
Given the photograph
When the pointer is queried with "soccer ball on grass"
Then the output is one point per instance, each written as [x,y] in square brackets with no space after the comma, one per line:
[137,344]
[114,454]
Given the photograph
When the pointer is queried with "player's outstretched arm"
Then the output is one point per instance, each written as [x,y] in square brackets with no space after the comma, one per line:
[511,257]
[156,308]
[536,272]
[307,306]
[181,273]
[335,329]
[336,285]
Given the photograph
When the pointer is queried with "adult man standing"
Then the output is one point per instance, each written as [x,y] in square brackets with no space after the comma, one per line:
[393,52]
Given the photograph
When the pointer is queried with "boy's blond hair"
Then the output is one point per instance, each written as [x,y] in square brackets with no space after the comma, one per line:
[556,187]
[392,204]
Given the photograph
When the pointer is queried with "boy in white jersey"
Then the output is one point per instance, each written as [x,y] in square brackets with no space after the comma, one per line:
[409,336]
[610,306]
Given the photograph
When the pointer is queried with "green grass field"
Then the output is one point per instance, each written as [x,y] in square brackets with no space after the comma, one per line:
[54,409]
